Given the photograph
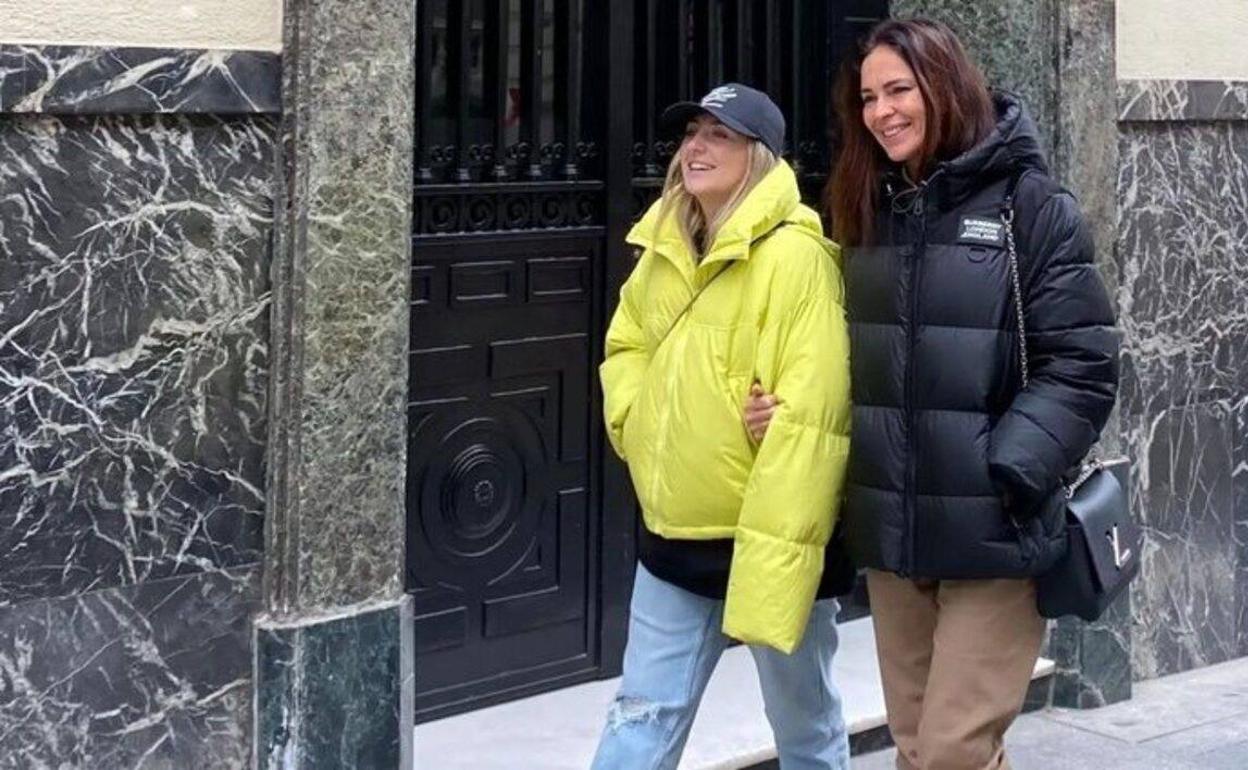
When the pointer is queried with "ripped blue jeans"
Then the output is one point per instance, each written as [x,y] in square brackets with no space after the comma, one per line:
[674,642]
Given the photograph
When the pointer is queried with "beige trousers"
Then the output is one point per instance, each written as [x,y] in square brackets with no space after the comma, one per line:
[956,657]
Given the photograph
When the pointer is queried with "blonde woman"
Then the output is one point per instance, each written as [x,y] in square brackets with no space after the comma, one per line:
[735,286]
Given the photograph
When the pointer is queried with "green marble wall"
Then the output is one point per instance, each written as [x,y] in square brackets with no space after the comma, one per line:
[1014,42]
[326,695]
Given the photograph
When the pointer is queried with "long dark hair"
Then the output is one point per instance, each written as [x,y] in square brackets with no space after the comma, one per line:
[959,115]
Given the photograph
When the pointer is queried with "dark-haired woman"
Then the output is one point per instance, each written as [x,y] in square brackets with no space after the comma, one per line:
[954,498]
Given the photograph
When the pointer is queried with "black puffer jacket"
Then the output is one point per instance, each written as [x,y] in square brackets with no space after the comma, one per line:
[943,434]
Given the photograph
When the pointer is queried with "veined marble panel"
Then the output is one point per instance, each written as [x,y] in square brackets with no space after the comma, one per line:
[1182,100]
[1183,279]
[1093,659]
[153,676]
[1239,488]
[336,692]
[134,297]
[95,80]
[1013,40]
[1183,299]
[1183,603]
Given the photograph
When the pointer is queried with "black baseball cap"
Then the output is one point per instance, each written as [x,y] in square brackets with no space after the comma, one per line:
[743,109]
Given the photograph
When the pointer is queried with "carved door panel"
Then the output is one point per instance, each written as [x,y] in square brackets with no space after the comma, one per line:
[501,544]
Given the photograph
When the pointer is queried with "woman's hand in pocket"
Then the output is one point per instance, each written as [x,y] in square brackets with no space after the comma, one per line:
[760,407]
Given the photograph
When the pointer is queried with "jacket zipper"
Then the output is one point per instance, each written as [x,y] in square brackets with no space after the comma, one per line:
[916,274]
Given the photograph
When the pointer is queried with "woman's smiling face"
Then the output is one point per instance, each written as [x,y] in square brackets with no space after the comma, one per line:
[713,161]
[893,108]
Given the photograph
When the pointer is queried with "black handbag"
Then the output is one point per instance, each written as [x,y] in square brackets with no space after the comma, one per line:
[1103,543]
[1103,552]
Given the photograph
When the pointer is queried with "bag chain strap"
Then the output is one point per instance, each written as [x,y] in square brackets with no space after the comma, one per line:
[689,305]
[1007,216]
[1093,464]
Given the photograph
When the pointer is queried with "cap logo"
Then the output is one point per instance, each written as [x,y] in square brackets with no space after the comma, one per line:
[719,96]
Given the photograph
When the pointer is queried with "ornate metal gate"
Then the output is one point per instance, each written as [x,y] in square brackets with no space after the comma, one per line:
[536,149]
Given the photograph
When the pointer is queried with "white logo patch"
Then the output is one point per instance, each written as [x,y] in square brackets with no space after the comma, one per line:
[978,230]
[719,96]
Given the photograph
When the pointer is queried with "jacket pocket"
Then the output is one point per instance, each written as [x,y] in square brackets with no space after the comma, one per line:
[702,445]
[638,435]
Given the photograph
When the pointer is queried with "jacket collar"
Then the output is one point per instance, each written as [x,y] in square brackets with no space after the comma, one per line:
[1012,146]
[775,199]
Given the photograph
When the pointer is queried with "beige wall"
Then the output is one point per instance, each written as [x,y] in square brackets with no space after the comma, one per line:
[1183,39]
[245,24]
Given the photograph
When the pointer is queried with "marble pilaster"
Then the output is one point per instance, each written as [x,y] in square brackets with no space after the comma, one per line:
[315,712]
[1093,659]
[1085,155]
[338,441]
[334,649]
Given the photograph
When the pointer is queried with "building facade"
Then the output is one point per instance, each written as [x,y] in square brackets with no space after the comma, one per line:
[301,307]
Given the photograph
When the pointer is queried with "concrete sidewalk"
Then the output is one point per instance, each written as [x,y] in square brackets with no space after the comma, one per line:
[1192,721]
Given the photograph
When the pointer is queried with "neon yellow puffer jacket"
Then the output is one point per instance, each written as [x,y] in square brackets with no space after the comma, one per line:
[673,410]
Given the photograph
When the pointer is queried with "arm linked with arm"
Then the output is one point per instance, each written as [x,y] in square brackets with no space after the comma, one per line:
[793,493]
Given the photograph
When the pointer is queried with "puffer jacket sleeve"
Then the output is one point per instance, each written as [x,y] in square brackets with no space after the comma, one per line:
[1073,355]
[793,493]
[627,359]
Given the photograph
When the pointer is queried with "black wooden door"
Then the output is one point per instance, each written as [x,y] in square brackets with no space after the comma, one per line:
[504,497]
[501,541]
[536,149]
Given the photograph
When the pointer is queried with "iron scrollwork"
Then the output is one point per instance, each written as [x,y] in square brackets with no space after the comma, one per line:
[486,208]
[521,160]
[651,160]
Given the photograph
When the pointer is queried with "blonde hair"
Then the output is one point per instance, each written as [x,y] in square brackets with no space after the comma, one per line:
[697,233]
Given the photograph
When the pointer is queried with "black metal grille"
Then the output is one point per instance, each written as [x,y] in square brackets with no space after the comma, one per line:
[499,92]
[499,142]
[789,48]
[503,98]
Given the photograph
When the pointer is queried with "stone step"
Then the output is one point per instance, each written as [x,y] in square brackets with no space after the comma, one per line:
[559,730]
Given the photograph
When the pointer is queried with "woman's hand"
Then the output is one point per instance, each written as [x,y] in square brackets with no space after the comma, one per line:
[759,409]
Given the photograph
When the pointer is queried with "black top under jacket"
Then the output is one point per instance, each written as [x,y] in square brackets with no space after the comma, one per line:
[942,431]
[701,566]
